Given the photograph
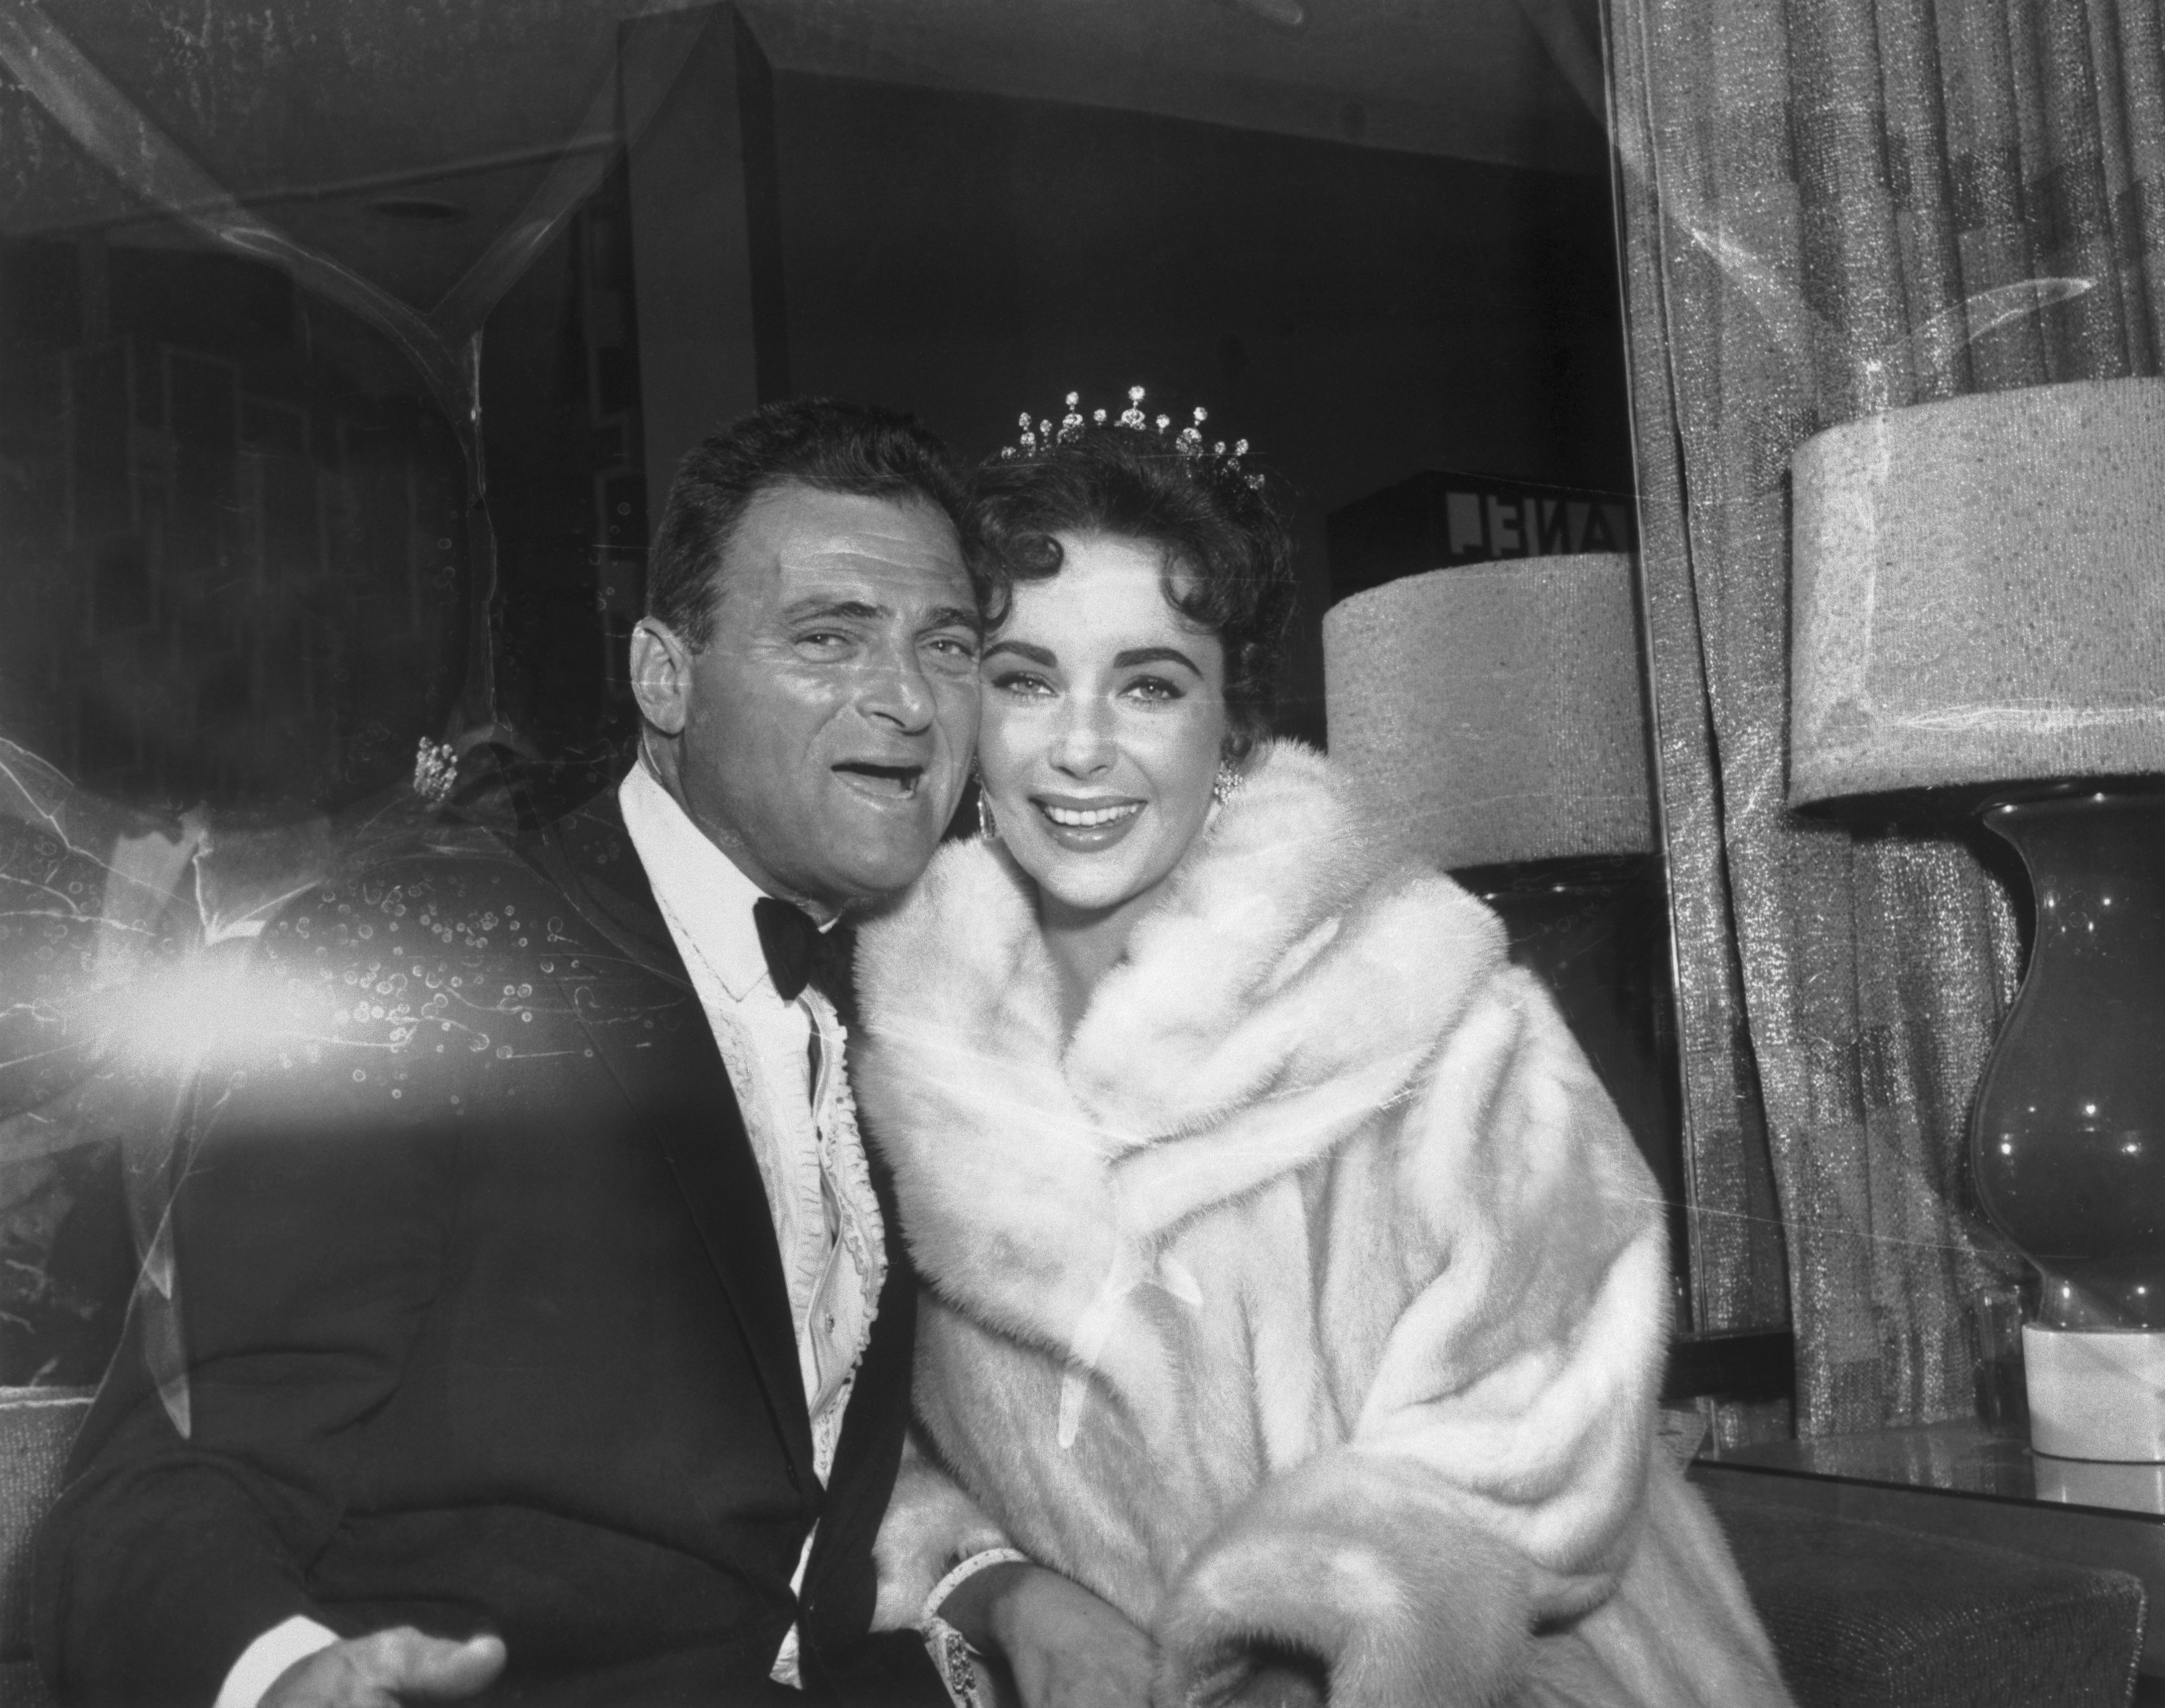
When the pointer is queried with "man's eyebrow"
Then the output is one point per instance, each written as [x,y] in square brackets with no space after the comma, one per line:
[816,606]
[955,617]
[1023,649]
[1152,654]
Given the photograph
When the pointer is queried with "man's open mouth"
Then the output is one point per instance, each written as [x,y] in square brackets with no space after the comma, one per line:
[900,781]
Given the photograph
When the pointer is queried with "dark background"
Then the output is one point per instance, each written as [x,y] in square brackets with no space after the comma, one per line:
[233,523]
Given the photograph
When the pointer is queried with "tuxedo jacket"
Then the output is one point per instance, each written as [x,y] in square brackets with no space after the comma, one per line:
[477,1321]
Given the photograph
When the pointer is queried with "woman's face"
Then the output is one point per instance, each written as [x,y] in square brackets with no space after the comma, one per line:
[1104,721]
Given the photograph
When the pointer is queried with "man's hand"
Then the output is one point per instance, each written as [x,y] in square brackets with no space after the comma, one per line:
[387,1668]
[1064,1648]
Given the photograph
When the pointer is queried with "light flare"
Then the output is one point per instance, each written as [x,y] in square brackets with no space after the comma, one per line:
[220,1009]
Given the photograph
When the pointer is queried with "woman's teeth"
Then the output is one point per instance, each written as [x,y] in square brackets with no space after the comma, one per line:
[1083,817]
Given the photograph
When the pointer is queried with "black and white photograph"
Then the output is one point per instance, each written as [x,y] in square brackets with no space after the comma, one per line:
[1082,853]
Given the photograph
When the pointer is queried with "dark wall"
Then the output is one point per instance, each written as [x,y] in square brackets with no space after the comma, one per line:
[567,489]
[1359,314]
[232,534]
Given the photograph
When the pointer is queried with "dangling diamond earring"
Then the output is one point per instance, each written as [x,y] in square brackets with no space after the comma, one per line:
[1226,781]
[988,827]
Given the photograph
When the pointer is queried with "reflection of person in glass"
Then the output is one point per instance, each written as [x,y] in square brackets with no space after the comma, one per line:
[545,1328]
[1291,1282]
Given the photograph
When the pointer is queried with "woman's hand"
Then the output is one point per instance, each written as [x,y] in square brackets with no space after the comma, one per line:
[1063,1646]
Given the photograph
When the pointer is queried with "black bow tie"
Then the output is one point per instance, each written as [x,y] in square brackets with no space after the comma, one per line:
[798,952]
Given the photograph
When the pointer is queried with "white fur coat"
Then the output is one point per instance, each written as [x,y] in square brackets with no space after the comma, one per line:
[1312,1292]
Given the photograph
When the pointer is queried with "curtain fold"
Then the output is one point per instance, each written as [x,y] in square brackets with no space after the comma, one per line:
[1831,208]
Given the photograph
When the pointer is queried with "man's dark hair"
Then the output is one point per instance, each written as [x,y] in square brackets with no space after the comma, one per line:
[1226,536]
[834,447]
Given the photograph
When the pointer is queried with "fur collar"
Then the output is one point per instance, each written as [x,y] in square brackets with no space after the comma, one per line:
[1295,975]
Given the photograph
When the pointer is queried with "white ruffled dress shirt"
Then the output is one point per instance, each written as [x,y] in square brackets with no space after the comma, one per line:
[804,1134]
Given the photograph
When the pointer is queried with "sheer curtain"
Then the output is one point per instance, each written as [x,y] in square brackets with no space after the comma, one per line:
[1833,206]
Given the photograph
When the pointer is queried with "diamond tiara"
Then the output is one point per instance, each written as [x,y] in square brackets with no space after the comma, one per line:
[1044,435]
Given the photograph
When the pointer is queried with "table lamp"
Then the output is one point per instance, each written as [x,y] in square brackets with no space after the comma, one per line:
[1494,714]
[1977,622]
[1495,711]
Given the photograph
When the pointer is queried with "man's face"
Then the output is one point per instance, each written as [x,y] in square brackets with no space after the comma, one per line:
[824,732]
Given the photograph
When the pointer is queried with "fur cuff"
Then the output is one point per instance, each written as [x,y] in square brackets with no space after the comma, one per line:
[1364,1563]
[931,1527]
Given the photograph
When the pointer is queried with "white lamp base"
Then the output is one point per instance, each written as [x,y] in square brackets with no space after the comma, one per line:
[2095,1396]
[2095,1483]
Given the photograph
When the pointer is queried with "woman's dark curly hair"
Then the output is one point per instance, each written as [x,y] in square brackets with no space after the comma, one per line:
[1226,540]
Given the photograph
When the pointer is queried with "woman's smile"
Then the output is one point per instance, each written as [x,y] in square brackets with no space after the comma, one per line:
[1086,825]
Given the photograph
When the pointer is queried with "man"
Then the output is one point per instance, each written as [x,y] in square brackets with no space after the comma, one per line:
[546,1331]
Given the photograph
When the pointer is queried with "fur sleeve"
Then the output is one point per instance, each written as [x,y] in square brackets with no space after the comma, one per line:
[931,1527]
[1365,1564]
[1493,1478]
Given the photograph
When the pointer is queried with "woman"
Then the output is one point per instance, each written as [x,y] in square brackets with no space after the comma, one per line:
[1291,1283]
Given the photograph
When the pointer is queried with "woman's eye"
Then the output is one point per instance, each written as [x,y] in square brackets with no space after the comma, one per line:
[1154,687]
[1021,682]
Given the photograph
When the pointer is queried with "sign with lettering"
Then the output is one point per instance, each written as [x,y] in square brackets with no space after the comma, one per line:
[1437,519]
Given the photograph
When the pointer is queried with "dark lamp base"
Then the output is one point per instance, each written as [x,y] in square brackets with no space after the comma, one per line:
[1594,928]
[2068,1142]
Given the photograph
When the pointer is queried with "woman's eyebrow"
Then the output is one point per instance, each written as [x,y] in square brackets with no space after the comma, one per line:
[1023,649]
[1152,654]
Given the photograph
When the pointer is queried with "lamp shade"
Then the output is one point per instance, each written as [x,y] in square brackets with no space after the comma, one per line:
[1496,712]
[1977,592]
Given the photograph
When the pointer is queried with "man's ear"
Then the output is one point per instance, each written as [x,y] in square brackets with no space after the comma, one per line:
[661,675]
